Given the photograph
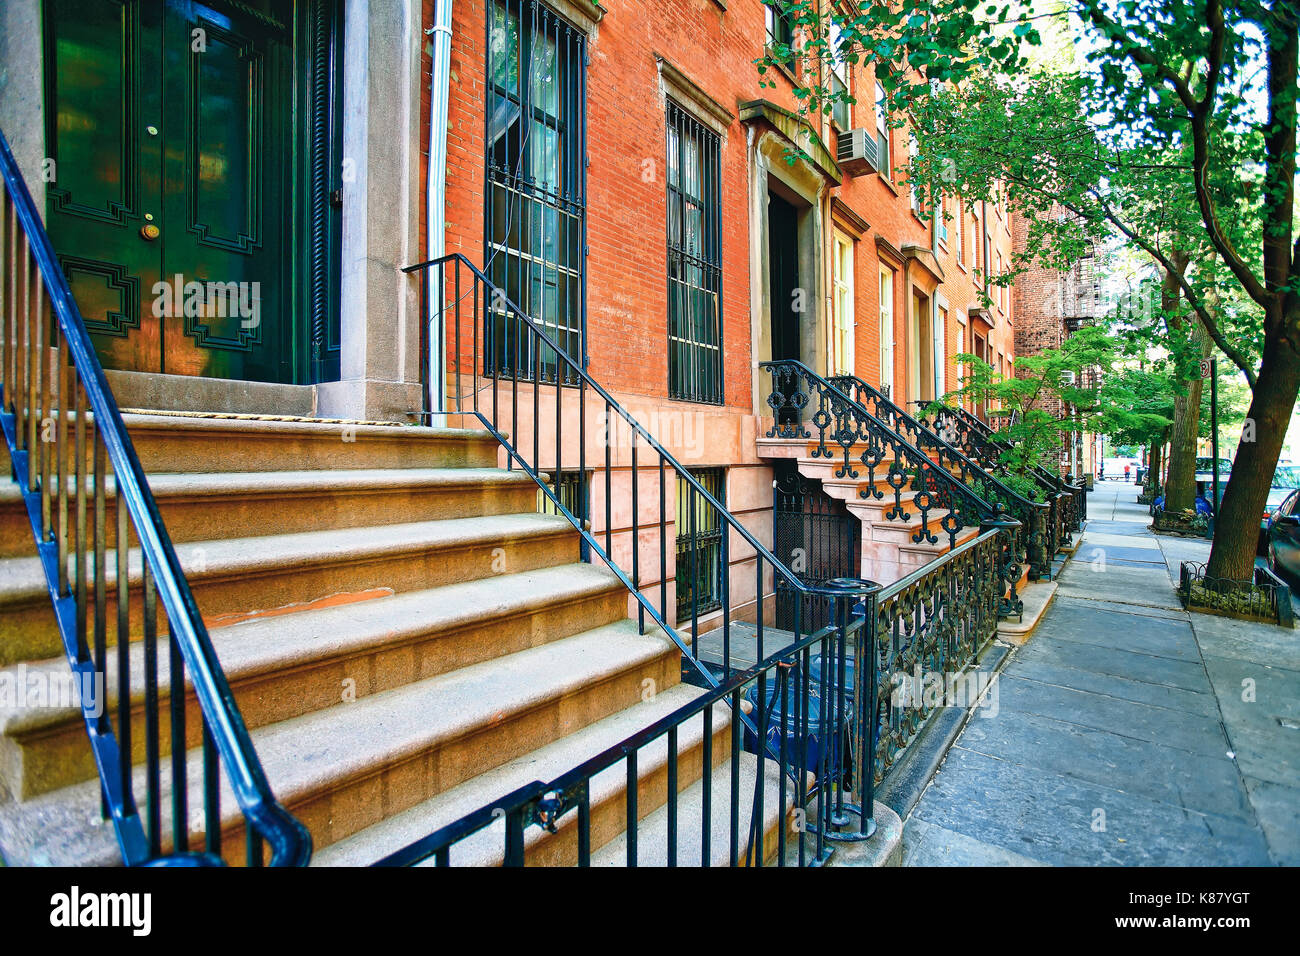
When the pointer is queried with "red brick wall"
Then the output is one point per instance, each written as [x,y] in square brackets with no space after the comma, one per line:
[626,269]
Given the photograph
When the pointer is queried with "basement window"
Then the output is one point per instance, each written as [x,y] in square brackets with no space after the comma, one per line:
[568,486]
[699,544]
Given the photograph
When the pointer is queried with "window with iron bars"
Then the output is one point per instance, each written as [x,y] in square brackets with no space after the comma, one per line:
[699,544]
[535,202]
[694,260]
[569,487]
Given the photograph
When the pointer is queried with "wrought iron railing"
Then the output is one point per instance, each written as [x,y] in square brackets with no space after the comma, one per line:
[1042,519]
[930,627]
[104,549]
[975,438]
[807,741]
[530,416]
[894,467]
[1264,597]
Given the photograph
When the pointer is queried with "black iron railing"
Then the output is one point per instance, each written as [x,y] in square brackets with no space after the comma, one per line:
[1265,597]
[975,438]
[725,619]
[1041,519]
[109,564]
[930,628]
[736,827]
[896,471]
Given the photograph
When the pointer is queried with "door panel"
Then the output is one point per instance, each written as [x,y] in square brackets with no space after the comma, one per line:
[226,88]
[102,95]
[170,124]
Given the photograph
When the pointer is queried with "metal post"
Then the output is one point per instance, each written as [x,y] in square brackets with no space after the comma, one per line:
[1214,428]
[858,716]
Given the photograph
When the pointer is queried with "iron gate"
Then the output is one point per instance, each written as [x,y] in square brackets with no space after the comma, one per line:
[818,539]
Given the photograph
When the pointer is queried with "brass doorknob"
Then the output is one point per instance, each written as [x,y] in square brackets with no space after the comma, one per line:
[150,232]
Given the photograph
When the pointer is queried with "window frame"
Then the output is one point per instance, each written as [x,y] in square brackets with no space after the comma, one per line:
[535,264]
[709,540]
[779,27]
[693,376]
[888,317]
[884,135]
[842,300]
[841,73]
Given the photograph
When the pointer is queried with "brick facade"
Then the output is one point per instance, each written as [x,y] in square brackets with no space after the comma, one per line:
[713,47]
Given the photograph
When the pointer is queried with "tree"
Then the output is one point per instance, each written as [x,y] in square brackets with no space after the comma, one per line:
[1167,114]
[1052,395]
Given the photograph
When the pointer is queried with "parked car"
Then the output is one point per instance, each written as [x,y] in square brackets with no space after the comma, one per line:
[1283,539]
[1286,479]
[1206,466]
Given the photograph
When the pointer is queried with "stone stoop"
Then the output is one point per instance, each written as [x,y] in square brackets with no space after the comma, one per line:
[889,548]
[406,637]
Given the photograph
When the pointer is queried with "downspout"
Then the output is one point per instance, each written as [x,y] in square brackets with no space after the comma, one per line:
[937,347]
[436,212]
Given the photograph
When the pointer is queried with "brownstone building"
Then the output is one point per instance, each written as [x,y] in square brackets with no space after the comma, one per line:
[1050,305]
[651,117]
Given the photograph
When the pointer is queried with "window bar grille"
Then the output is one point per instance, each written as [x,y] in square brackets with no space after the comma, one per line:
[694,260]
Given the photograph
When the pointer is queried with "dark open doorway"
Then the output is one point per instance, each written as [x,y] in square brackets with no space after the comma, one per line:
[783,267]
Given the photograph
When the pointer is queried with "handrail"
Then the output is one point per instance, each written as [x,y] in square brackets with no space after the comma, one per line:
[35,386]
[497,353]
[637,428]
[1042,541]
[832,419]
[976,437]
[506,372]
[982,432]
[546,802]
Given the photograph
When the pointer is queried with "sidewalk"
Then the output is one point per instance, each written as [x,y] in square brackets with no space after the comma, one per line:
[1123,731]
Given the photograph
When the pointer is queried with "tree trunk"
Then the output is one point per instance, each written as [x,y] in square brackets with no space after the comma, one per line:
[1180,490]
[1156,463]
[1236,529]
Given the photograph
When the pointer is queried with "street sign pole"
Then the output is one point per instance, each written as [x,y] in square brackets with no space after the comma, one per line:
[1214,426]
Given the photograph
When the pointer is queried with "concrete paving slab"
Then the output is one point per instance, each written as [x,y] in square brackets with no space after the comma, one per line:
[1125,632]
[1103,539]
[1148,586]
[1202,703]
[1051,817]
[925,844]
[1224,637]
[1278,810]
[1188,675]
[1200,735]
[1149,769]
[1167,613]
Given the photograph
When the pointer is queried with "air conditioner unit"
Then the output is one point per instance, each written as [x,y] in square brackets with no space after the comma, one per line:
[857,152]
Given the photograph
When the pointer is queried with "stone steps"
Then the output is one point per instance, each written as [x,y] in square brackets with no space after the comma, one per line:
[607,790]
[406,638]
[237,578]
[285,666]
[201,506]
[350,766]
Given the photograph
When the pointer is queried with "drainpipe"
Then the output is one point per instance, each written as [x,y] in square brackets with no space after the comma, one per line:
[436,213]
[936,349]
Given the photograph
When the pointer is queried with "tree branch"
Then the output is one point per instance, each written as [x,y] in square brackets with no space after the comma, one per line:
[1200,111]
[1231,351]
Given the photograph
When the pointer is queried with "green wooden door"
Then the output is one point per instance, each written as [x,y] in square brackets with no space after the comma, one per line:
[170,203]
